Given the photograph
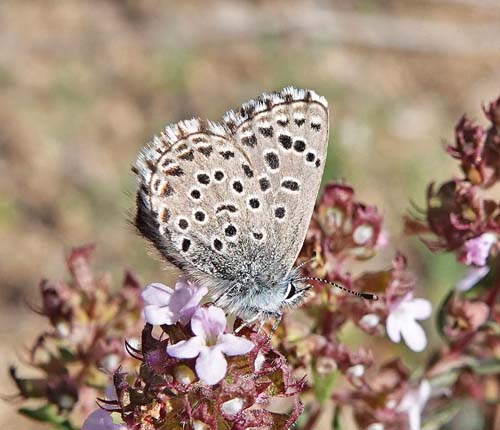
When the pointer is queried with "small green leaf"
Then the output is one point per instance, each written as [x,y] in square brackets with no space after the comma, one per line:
[65,425]
[486,367]
[437,420]
[336,424]
[48,414]
[441,316]
[323,384]
[67,355]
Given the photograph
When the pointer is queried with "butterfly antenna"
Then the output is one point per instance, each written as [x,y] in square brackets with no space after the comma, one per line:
[367,296]
[305,262]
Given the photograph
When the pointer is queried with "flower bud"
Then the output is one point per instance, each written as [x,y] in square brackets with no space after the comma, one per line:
[184,375]
[259,361]
[356,371]
[233,406]
[376,426]
[200,425]
[362,234]
[325,365]
[369,321]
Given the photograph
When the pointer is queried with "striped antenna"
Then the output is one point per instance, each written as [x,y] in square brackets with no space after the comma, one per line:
[367,296]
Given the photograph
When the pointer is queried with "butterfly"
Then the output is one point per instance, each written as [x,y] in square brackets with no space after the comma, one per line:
[229,202]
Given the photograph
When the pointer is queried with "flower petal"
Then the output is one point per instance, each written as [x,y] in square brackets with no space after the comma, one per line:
[191,305]
[157,294]
[158,315]
[420,309]
[197,293]
[393,327]
[230,344]
[182,282]
[100,420]
[111,392]
[414,418]
[186,348]
[211,365]
[473,276]
[208,323]
[424,392]
[414,335]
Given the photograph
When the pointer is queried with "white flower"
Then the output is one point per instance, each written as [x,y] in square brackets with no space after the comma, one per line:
[473,276]
[101,419]
[413,403]
[402,321]
[163,305]
[209,344]
[477,250]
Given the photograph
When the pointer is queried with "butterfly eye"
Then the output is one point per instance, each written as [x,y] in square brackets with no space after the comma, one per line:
[291,291]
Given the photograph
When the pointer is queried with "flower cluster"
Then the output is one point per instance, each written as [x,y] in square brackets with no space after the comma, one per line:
[196,374]
[342,227]
[88,324]
[197,371]
[463,217]
[342,232]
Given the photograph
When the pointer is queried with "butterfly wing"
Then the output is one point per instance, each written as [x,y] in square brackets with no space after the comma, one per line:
[215,198]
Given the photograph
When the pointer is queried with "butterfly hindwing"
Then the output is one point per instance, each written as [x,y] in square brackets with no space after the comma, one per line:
[216,197]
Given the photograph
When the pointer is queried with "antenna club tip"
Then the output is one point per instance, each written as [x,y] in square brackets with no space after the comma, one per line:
[369,296]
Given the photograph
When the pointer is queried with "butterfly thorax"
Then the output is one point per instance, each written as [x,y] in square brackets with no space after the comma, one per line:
[255,294]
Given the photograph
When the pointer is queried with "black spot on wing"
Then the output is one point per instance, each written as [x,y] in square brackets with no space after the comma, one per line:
[291,185]
[203,178]
[196,194]
[280,212]
[227,154]
[299,145]
[247,170]
[187,156]
[174,171]
[238,186]
[272,160]
[249,141]
[226,207]
[264,184]
[285,141]
[266,131]
[186,244]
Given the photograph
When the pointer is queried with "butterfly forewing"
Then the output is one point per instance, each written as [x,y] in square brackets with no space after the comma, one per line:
[216,198]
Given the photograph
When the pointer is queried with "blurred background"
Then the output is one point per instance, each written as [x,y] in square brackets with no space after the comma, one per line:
[84,84]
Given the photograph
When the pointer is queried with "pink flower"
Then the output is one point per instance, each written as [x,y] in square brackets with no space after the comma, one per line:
[402,321]
[477,250]
[473,276]
[101,420]
[167,306]
[209,344]
[413,403]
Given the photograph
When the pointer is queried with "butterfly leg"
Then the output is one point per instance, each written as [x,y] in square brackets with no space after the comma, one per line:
[247,323]
[276,323]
